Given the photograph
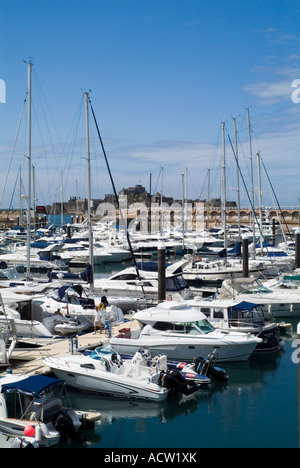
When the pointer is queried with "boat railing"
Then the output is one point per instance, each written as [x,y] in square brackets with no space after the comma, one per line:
[244,324]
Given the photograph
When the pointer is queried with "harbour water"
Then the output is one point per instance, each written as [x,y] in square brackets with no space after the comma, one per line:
[256,408]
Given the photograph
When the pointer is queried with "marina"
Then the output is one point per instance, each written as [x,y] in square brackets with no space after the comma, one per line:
[254,388]
[158,316]
[126,337]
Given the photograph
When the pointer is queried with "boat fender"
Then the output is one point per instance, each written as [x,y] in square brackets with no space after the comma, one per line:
[38,434]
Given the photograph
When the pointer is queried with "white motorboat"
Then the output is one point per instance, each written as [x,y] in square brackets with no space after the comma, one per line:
[217,270]
[127,283]
[183,333]
[8,441]
[244,317]
[33,407]
[40,257]
[105,372]
[76,307]
[8,340]
[25,324]
[279,302]
[71,302]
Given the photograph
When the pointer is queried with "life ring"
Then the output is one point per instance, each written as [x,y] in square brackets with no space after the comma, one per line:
[101,306]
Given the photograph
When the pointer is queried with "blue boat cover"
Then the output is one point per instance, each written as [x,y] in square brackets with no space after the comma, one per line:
[34,385]
[244,306]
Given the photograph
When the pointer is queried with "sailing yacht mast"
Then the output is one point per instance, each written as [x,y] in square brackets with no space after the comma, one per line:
[238,179]
[183,209]
[29,172]
[260,201]
[252,182]
[88,156]
[34,200]
[161,200]
[224,189]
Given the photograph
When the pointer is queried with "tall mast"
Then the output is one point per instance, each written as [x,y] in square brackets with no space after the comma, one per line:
[34,200]
[208,185]
[29,172]
[260,200]
[237,178]
[183,209]
[161,200]
[20,194]
[224,189]
[252,182]
[88,157]
[61,200]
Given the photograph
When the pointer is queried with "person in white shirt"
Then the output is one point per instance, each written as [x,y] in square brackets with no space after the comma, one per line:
[97,320]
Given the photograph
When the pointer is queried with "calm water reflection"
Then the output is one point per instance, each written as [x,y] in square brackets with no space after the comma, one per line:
[256,408]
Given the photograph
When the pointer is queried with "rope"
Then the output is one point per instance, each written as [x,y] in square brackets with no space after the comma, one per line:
[13,150]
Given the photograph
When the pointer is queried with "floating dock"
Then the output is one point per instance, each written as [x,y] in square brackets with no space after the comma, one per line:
[29,359]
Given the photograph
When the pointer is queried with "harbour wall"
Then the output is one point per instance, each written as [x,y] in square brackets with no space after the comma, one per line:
[195,216]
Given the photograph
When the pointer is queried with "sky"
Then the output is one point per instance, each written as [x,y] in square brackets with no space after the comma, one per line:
[162,76]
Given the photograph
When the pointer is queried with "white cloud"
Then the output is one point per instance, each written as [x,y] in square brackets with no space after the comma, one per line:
[270,92]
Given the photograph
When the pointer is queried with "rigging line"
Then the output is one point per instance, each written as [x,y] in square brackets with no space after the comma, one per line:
[203,185]
[69,158]
[277,214]
[243,180]
[13,150]
[43,103]
[158,179]
[281,212]
[116,196]
[13,194]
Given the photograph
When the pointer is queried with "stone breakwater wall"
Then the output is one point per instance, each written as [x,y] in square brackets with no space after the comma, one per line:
[194,218]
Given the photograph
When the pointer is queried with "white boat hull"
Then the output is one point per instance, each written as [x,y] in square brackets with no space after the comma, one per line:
[101,382]
[187,349]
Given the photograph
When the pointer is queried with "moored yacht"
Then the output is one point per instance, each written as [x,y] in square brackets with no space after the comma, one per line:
[244,317]
[127,283]
[183,333]
[278,302]
[33,407]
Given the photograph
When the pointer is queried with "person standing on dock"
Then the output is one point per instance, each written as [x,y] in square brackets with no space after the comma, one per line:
[97,319]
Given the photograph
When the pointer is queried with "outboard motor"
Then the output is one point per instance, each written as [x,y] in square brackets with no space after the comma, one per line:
[206,367]
[64,425]
[176,383]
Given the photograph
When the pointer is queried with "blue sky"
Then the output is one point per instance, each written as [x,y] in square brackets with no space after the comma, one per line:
[163,75]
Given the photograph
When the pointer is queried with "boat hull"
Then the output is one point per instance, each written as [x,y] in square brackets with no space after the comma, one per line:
[106,383]
[187,350]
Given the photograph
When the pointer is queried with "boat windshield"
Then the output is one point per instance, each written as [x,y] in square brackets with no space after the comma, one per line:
[258,289]
[199,327]
[254,317]
[176,283]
